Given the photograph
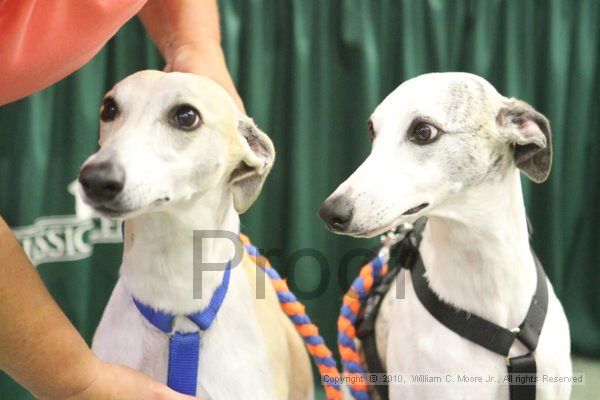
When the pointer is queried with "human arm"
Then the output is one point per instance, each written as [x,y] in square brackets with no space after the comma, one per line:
[40,348]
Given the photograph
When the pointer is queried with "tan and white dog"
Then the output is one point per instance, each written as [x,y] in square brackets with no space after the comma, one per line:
[177,156]
[449,147]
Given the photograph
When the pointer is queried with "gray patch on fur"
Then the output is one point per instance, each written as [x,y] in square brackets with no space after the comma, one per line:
[498,166]
[465,99]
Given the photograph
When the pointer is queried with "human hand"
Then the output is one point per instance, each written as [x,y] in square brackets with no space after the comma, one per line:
[204,57]
[114,381]
[188,35]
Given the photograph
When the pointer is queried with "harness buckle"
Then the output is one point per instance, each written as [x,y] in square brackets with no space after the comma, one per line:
[391,238]
[507,358]
[516,332]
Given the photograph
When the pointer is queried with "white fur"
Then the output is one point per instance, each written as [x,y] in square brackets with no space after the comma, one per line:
[177,182]
[475,247]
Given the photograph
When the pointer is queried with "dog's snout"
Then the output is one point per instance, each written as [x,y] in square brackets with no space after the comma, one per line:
[337,213]
[102,181]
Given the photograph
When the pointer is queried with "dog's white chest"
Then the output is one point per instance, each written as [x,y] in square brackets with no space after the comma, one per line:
[415,345]
[231,365]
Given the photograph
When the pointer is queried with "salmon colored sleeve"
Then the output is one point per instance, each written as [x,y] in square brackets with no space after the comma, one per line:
[42,41]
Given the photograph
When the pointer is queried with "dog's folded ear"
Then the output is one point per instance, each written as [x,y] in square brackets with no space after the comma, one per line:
[529,132]
[259,154]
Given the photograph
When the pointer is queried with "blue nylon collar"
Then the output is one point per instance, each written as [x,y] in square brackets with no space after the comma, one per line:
[184,348]
[164,321]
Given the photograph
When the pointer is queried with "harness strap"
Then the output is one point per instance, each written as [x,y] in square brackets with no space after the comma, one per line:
[525,367]
[470,326]
[531,328]
[479,330]
[366,330]
[184,347]
[488,334]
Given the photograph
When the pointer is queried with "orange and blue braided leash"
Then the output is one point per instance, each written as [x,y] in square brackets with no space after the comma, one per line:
[353,301]
[315,344]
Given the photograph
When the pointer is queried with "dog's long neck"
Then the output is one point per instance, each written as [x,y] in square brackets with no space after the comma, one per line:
[477,255]
[157,265]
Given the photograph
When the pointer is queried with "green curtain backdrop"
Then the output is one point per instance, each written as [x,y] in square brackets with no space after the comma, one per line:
[310,73]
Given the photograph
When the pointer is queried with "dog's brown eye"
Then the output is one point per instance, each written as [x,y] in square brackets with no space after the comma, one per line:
[423,133]
[109,110]
[371,130]
[186,117]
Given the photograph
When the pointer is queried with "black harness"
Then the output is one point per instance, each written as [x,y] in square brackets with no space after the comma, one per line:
[478,330]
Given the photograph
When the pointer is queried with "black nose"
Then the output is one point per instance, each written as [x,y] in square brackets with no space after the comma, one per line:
[102,181]
[337,213]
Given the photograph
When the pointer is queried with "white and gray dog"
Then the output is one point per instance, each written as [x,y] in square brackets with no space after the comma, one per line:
[449,147]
